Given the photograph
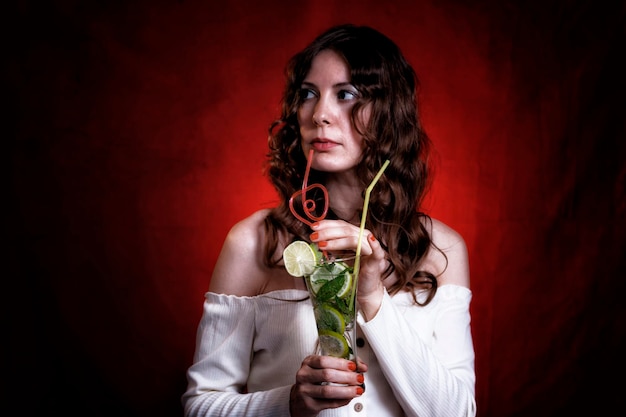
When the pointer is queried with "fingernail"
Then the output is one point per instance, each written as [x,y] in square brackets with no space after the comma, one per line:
[314,235]
[359,391]
[360,378]
[372,238]
[352,366]
[322,244]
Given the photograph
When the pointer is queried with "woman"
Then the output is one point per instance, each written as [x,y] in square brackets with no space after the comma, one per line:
[351,97]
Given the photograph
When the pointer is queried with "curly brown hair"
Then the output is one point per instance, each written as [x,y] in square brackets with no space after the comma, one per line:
[383,77]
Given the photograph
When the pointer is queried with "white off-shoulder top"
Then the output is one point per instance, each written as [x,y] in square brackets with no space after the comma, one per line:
[248,350]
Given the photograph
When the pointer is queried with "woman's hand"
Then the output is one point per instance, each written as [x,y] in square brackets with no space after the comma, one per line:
[340,236]
[311,393]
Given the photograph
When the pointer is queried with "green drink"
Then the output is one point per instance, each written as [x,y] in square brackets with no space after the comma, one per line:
[331,287]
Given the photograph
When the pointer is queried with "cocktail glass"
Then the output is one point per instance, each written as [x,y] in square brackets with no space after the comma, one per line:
[332,289]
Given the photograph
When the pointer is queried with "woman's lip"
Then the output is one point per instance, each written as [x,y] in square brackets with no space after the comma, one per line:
[323,144]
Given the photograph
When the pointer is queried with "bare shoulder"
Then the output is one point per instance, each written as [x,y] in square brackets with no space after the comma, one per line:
[455,265]
[239,269]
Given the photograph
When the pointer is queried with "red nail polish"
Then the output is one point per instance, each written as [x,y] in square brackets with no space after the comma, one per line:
[359,391]
[372,238]
[322,244]
[360,378]
[314,235]
[352,366]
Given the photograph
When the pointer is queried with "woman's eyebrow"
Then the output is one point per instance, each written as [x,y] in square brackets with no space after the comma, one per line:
[338,85]
[343,84]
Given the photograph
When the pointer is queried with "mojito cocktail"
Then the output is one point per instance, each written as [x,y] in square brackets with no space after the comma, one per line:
[331,286]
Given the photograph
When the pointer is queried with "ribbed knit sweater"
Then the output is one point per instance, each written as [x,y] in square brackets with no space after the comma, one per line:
[248,350]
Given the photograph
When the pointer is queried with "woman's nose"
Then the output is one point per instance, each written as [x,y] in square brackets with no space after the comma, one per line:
[322,114]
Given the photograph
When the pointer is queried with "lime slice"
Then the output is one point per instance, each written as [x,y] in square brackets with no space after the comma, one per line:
[333,344]
[329,318]
[344,291]
[329,272]
[299,258]
[318,253]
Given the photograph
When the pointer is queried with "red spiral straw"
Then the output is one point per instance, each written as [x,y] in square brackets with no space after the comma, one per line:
[308,205]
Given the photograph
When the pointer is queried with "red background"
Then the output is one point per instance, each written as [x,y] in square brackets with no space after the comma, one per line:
[137,131]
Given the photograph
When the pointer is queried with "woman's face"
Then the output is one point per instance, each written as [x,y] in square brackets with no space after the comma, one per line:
[324,115]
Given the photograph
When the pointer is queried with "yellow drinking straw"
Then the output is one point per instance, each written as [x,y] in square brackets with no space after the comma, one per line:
[368,191]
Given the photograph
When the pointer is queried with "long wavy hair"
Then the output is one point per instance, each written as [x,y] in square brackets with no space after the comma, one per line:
[384,79]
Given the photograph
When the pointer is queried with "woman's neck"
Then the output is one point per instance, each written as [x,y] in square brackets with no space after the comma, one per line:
[345,198]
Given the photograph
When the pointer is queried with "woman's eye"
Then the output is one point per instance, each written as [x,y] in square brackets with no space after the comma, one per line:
[347,95]
[306,94]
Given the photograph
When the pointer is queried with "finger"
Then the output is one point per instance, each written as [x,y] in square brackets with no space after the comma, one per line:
[347,378]
[316,369]
[336,392]
[332,362]
[361,366]
[327,224]
[340,247]
[334,231]
[378,252]
[322,361]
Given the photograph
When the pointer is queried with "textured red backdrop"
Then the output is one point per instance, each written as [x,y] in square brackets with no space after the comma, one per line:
[136,137]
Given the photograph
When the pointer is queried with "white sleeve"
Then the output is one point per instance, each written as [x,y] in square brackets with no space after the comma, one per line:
[428,379]
[216,381]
